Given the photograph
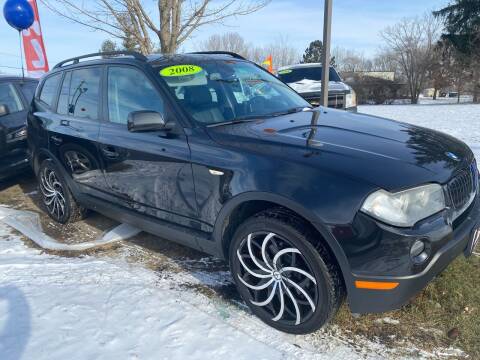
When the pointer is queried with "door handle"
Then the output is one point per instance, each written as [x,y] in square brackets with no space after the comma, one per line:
[64,123]
[57,140]
[110,152]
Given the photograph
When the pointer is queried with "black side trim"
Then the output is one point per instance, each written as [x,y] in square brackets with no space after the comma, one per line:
[165,230]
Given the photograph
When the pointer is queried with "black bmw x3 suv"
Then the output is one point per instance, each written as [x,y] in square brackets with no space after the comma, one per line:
[308,205]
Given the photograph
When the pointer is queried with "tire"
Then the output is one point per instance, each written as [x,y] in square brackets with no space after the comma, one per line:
[57,198]
[281,262]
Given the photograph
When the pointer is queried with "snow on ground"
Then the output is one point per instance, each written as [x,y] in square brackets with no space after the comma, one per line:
[95,307]
[88,308]
[459,120]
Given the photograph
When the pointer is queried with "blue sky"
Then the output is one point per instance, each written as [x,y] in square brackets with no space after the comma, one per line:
[356,25]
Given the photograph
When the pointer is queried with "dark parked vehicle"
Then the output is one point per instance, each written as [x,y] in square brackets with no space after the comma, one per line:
[211,151]
[16,94]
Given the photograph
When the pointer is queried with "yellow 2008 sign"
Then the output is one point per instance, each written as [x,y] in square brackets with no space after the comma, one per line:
[181,70]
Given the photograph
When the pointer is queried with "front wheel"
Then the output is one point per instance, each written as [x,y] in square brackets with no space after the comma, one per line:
[285,281]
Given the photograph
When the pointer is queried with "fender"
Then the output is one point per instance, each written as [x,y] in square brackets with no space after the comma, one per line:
[289,204]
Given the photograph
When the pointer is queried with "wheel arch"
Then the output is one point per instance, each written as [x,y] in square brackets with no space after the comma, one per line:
[247,204]
[44,154]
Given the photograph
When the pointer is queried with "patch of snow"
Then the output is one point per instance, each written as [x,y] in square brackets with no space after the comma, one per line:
[28,223]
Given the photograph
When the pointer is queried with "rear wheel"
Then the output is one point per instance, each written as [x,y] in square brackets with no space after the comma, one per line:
[285,281]
[56,196]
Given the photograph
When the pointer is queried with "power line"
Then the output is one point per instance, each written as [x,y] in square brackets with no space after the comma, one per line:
[10,67]
[7,54]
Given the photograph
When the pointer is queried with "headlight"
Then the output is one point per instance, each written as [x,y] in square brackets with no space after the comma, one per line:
[17,135]
[351,99]
[405,208]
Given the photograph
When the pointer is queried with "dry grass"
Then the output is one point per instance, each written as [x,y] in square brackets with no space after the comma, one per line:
[446,313]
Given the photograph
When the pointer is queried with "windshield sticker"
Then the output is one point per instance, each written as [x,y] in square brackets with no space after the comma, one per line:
[180,70]
[283,72]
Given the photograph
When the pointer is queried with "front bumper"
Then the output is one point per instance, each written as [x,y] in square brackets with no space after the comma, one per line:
[388,258]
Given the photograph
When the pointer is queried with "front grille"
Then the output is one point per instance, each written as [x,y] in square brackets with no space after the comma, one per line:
[462,187]
[335,101]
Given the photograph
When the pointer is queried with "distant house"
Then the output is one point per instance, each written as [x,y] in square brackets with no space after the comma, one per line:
[377,87]
[384,75]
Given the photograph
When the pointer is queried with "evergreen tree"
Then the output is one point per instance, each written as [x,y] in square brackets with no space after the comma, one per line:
[313,54]
[462,25]
[462,31]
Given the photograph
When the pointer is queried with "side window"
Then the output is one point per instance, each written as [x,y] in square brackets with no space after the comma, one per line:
[83,88]
[10,98]
[49,89]
[130,90]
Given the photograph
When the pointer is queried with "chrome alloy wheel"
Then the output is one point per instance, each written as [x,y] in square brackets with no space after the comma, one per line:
[53,193]
[278,278]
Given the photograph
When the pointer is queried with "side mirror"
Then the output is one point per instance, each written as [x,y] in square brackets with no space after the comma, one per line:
[146,120]
[4,110]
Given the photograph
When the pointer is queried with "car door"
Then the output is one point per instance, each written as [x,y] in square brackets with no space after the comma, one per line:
[150,172]
[74,127]
[12,124]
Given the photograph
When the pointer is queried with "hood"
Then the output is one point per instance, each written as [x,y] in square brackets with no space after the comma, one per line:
[309,86]
[389,154]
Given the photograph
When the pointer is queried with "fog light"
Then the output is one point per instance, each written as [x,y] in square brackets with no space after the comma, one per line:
[418,252]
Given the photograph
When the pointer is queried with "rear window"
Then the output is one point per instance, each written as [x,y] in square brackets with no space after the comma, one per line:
[307,73]
[28,89]
[49,89]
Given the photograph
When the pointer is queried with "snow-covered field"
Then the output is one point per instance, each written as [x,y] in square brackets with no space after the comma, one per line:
[459,120]
[107,307]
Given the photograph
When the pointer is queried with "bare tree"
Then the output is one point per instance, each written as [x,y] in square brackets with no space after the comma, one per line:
[350,60]
[171,22]
[412,43]
[283,53]
[280,49]
[108,46]
[231,41]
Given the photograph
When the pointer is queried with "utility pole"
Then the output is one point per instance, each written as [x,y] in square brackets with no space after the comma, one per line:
[327,35]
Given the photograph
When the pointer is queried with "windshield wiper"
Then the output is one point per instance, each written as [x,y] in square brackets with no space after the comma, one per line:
[250,118]
[236,121]
[292,111]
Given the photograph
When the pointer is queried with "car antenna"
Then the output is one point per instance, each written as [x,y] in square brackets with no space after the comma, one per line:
[314,126]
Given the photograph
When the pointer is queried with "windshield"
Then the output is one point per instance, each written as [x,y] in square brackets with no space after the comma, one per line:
[306,73]
[222,91]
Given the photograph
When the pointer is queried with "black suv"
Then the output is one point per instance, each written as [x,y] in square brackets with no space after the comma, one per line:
[16,94]
[213,152]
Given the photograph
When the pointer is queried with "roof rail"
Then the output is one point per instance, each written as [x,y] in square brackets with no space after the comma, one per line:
[232,54]
[76,60]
